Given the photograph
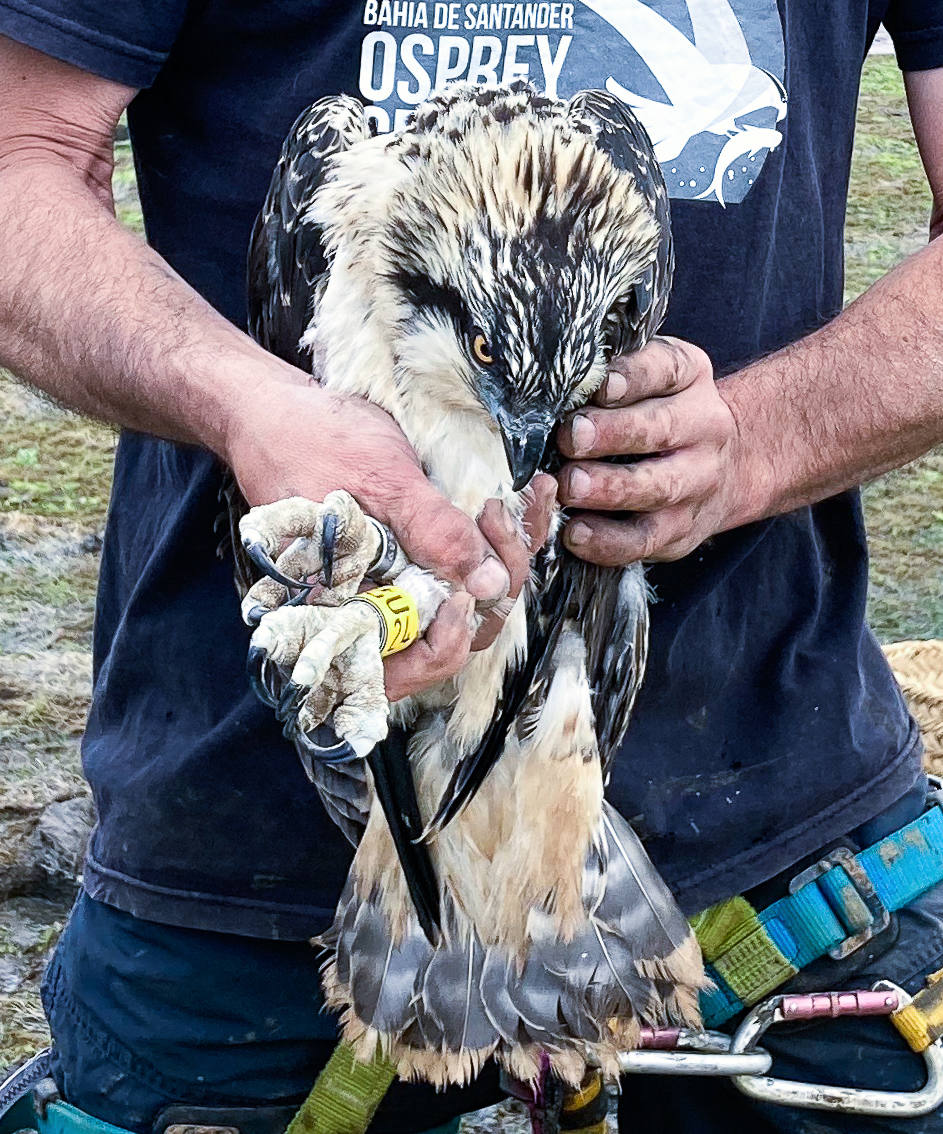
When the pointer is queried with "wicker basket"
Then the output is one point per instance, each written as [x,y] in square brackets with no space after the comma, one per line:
[919,669]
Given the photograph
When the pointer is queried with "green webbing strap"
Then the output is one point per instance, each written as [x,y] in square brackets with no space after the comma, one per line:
[345,1095]
[742,960]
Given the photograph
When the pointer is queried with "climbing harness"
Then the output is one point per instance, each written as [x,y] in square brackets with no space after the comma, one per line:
[676,1051]
[833,908]
[347,1092]
[917,1017]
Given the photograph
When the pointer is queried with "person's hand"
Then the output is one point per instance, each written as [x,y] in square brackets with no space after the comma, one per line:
[662,405]
[445,647]
[302,440]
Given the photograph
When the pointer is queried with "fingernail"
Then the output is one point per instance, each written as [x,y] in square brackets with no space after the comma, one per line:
[510,525]
[580,482]
[583,433]
[578,533]
[489,580]
[616,386]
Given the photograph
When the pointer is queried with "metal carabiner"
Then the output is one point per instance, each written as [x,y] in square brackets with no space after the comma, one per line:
[883,999]
[681,1051]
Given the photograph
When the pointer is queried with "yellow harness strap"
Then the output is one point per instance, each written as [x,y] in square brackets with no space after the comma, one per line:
[921,1021]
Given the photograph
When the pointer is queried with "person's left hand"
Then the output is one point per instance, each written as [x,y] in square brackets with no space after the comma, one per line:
[449,639]
[662,405]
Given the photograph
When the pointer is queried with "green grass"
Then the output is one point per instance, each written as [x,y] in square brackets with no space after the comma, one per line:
[52,463]
[124,188]
[888,211]
[905,525]
[889,201]
[57,467]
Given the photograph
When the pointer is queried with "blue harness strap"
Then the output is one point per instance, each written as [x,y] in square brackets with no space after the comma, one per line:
[833,908]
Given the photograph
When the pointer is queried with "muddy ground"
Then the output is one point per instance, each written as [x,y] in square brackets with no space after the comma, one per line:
[54,483]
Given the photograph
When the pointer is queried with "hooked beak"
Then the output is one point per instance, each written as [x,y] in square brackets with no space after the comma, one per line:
[525,441]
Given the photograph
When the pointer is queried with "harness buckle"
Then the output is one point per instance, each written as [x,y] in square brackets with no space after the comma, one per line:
[858,906]
[884,999]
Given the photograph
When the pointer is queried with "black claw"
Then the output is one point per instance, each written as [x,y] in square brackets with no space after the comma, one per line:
[254,615]
[339,753]
[311,752]
[261,558]
[255,668]
[328,544]
[272,677]
[290,701]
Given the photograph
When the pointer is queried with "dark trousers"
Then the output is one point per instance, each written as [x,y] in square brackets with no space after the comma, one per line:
[144,1016]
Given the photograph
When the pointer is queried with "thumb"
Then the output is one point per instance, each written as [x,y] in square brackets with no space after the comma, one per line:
[436,535]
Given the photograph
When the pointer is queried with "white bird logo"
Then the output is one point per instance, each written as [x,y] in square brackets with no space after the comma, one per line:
[710,83]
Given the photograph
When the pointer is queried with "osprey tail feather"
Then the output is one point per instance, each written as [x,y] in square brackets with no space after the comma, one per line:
[441,1011]
[558,936]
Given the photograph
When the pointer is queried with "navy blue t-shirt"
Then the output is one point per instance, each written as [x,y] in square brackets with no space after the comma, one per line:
[769,722]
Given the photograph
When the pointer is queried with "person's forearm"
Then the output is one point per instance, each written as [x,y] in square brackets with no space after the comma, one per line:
[94,317]
[859,397]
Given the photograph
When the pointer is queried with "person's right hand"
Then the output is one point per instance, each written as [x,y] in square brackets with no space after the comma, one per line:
[302,440]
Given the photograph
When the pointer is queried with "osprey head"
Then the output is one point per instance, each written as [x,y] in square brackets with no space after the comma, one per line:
[507,257]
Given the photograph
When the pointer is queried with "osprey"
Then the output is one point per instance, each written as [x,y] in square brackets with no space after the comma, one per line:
[473,275]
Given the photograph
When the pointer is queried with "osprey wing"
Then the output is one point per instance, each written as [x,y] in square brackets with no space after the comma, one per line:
[286,259]
[286,263]
[621,136]
[286,268]
[611,608]
[524,689]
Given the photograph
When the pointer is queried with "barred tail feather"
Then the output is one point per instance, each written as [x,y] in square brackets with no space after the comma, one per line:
[440,1011]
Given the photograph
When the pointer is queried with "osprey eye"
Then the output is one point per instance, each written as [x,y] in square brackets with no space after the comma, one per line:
[482,350]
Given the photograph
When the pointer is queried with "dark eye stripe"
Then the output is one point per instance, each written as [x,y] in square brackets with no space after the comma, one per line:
[422,293]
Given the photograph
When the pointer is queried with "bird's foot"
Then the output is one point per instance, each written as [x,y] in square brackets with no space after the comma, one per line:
[305,548]
[311,663]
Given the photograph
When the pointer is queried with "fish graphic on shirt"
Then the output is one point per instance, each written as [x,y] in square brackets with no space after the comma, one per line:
[709,84]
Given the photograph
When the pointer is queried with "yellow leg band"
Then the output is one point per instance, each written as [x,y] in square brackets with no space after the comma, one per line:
[398,615]
[577,1100]
[584,1110]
